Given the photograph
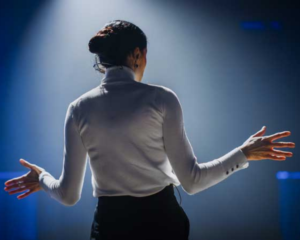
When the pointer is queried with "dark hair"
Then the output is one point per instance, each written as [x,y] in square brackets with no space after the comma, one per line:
[114,42]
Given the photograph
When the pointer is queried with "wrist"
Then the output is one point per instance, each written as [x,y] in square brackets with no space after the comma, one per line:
[244,151]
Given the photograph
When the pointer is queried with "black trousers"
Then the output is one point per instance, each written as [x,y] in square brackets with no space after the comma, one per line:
[154,217]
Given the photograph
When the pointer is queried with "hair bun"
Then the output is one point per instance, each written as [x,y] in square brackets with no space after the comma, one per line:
[115,41]
[96,44]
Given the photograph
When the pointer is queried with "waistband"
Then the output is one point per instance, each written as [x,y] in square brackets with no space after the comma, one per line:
[165,193]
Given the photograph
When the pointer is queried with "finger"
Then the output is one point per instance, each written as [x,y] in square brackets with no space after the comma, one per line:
[278,135]
[18,183]
[26,164]
[15,180]
[274,157]
[21,185]
[283,144]
[28,184]
[21,189]
[29,165]
[26,194]
[261,132]
[280,153]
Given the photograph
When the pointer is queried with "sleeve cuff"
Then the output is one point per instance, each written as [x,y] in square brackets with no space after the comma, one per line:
[42,174]
[234,161]
[244,159]
[41,178]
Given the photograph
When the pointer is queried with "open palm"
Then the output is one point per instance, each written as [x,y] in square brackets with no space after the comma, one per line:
[28,181]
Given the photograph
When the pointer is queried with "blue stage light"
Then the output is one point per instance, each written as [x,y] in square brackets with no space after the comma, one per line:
[288,175]
[276,25]
[252,25]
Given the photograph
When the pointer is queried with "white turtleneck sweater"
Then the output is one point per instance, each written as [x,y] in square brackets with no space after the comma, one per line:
[134,137]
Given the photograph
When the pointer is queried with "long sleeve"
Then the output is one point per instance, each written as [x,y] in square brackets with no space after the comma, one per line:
[193,176]
[67,189]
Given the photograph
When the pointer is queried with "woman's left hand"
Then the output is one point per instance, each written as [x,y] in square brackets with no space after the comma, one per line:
[29,181]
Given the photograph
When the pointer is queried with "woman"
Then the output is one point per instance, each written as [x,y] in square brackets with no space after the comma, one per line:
[135,138]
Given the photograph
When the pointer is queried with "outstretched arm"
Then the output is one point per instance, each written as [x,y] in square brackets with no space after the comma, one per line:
[193,176]
[67,189]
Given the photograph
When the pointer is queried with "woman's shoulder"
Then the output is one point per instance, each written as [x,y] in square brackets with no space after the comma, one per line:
[85,97]
[165,93]
[166,98]
[162,93]
[162,89]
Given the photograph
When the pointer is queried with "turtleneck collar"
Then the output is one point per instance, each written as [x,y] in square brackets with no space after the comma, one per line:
[118,73]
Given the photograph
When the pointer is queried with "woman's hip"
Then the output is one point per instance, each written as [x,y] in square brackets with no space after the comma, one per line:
[158,216]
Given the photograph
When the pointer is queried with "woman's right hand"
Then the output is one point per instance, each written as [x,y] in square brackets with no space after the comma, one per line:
[259,147]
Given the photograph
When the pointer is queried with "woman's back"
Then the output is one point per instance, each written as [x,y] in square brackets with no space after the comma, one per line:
[121,126]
